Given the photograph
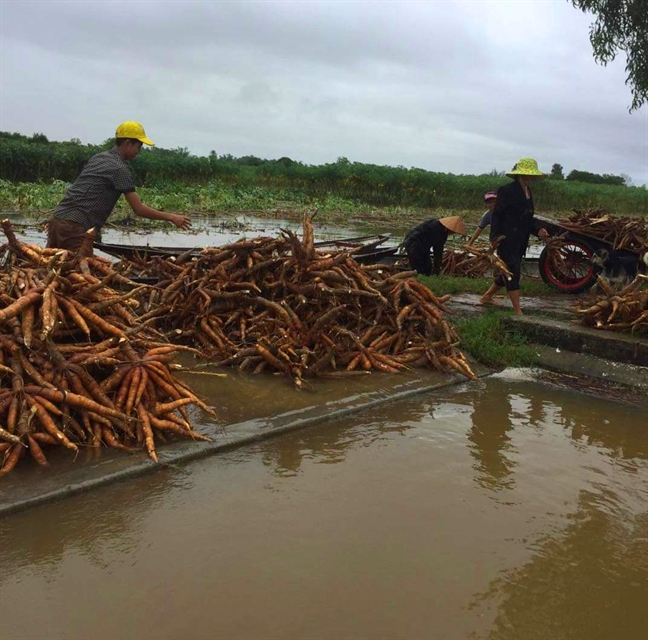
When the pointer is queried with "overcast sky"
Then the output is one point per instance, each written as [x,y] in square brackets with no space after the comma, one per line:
[452,86]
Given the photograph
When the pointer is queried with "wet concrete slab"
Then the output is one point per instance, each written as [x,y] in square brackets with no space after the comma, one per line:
[610,345]
[467,304]
[585,365]
[28,487]
[610,357]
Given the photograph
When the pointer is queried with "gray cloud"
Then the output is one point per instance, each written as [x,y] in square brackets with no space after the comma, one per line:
[461,87]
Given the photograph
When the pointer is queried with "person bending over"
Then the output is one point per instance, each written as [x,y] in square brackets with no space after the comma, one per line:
[431,234]
[91,199]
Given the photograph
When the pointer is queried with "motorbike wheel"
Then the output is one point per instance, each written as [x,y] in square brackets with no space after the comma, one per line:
[568,268]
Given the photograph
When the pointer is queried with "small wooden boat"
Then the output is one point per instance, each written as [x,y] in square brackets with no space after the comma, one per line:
[366,249]
[131,251]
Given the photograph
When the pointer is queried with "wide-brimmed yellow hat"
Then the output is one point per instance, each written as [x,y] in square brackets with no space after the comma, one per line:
[454,224]
[132,129]
[526,167]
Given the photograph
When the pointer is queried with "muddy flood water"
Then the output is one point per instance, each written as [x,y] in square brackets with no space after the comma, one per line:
[209,230]
[502,509]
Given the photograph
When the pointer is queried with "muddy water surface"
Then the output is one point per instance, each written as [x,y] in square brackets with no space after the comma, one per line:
[218,229]
[211,230]
[502,509]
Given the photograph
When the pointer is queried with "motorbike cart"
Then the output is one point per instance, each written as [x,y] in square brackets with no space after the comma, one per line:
[567,265]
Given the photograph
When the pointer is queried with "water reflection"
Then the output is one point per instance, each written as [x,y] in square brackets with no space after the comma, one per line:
[327,444]
[87,524]
[618,437]
[490,437]
[396,542]
[529,409]
[497,411]
[586,581]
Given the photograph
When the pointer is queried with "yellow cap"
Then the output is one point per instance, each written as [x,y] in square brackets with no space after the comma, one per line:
[132,129]
[454,224]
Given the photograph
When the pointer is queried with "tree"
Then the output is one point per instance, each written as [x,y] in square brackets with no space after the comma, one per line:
[621,25]
[556,172]
[250,161]
[595,178]
[627,179]
[39,138]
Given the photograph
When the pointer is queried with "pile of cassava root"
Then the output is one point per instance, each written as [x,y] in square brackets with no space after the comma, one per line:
[85,352]
[621,233]
[616,307]
[77,368]
[474,262]
[279,305]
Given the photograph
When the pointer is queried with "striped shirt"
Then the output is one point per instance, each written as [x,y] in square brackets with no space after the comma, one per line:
[94,194]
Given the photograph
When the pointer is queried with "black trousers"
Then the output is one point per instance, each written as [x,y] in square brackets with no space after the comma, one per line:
[512,256]
[419,257]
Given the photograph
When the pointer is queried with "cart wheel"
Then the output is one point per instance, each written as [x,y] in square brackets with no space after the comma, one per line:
[568,267]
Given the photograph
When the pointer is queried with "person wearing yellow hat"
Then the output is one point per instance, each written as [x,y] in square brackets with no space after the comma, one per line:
[91,199]
[513,218]
[431,234]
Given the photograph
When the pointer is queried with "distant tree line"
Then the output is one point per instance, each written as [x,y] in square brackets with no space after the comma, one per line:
[25,159]
[557,173]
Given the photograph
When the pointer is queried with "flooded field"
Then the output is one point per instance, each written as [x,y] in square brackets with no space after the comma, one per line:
[212,230]
[503,509]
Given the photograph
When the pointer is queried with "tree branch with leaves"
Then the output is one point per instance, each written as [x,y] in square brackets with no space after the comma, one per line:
[621,25]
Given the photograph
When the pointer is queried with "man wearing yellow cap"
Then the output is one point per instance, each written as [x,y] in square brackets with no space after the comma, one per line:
[431,234]
[91,199]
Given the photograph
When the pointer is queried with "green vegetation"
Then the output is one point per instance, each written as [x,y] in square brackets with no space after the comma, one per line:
[211,197]
[489,343]
[588,177]
[35,171]
[595,178]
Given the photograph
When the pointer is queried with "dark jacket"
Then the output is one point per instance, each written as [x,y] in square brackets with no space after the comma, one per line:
[431,234]
[513,218]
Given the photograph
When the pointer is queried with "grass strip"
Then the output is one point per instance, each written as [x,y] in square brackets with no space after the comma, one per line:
[489,343]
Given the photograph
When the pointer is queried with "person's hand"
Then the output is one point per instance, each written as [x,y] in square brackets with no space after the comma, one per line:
[180,220]
[543,234]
